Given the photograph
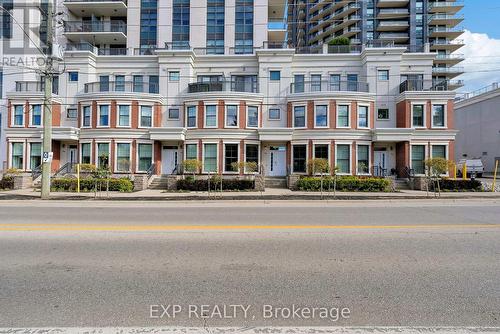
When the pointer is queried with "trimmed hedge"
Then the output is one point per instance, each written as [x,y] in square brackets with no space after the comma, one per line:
[460,185]
[202,185]
[344,183]
[88,184]
[7,182]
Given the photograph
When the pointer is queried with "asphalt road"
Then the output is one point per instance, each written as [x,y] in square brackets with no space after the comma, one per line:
[413,263]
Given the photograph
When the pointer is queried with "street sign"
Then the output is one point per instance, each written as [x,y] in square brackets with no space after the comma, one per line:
[47,156]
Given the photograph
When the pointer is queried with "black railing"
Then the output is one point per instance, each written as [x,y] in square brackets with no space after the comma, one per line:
[378,171]
[422,85]
[328,86]
[67,168]
[178,170]
[34,86]
[223,86]
[36,172]
[122,86]
[151,170]
[407,173]
[95,26]
[112,51]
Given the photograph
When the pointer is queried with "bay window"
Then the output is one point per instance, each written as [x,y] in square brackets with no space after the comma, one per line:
[18,115]
[252,117]
[321,116]
[418,115]
[146,119]
[86,116]
[102,155]
[230,157]
[343,160]
[123,157]
[231,116]
[85,153]
[35,155]
[36,115]
[299,158]
[191,117]
[17,160]
[299,117]
[417,158]
[210,158]
[343,116]
[438,115]
[210,116]
[123,115]
[103,115]
[362,116]
[363,161]
[145,157]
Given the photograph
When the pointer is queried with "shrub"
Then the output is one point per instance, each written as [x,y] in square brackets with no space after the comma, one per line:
[12,171]
[460,185]
[318,165]
[7,182]
[340,41]
[344,183]
[88,184]
[191,184]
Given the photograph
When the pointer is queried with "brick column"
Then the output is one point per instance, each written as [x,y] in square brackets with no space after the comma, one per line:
[221,108]
[201,115]
[113,117]
[157,159]
[354,164]
[94,114]
[157,115]
[332,156]
[112,156]
[450,114]
[27,114]
[242,154]
[428,113]
[310,115]
[289,115]
[354,115]
[241,115]
[332,110]
[135,114]
[221,157]
[451,150]
[133,159]
[56,160]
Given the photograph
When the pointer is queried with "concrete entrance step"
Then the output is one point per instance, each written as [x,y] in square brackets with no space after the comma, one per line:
[275,182]
[401,184]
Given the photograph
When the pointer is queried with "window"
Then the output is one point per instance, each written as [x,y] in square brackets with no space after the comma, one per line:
[252,154]
[252,116]
[35,155]
[173,113]
[274,75]
[299,158]
[362,116]
[299,117]
[104,83]
[352,82]
[123,157]
[232,116]
[86,116]
[244,26]
[173,76]
[231,157]
[86,156]
[73,76]
[363,159]
[438,115]
[145,157]
[215,26]
[180,23]
[343,158]
[321,151]
[191,152]
[103,115]
[244,83]
[315,82]
[343,116]
[138,83]
[154,85]
[383,114]
[17,155]
[211,116]
[210,158]
[383,75]
[334,82]
[439,151]
[321,116]
[71,113]
[18,115]
[149,24]
[417,159]
[103,155]
[298,83]
[119,83]
[146,116]
[191,117]
[418,115]
[36,114]
[274,114]
[123,115]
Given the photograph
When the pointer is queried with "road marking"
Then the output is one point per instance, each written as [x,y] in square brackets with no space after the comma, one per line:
[81,227]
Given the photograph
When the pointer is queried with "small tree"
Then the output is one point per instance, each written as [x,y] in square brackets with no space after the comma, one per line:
[436,168]
[244,166]
[335,170]
[318,165]
[192,166]
[340,41]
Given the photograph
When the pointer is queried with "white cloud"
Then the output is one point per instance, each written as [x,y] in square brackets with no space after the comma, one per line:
[482,61]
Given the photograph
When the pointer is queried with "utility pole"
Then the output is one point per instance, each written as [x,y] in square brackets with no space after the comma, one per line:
[47,108]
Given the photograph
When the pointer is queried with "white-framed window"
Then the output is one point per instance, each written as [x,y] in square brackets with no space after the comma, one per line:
[315,82]
[71,113]
[231,116]
[252,154]
[103,154]
[383,75]
[321,151]
[123,115]
[299,116]
[343,158]
[146,117]
[417,159]
[383,114]
[18,119]
[36,115]
[123,161]
[144,156]
[418,115]
[252,116]
[86,116]
[73,76]
[274,114]
[103,116]
[299,158]
[438,116]
[363,159]
[274,75]
[210,157]
[439,151]
[17,155]
[343,118]
[191,151]
[86,153]
[191,116]
[321,116]
[173,113]
[363,116]
[174,76]
[231,157]
[210,116]
[35,155]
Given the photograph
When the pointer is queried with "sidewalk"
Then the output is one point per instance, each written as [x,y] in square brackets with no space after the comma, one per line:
[269,194]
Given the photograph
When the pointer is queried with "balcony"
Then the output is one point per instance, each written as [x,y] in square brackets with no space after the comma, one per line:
[33,87]
[121,87]
[276,30]
[396,37]
[392,13]
[223,86]
[392,26]
[445,19]
[450,7]
[450,59]
[392,3]
[455,84]
[450,46]
[422,86]
[328,86]
[445,32]
[451,72]
[98,8]
[98,32]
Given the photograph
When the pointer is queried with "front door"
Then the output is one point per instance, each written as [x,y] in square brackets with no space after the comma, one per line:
[73,154]
[380,163]
[277,161]
[170,159]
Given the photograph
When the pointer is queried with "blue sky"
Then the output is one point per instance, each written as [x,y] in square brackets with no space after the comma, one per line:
[482,16]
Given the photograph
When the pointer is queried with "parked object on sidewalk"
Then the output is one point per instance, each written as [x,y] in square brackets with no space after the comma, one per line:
[472,167]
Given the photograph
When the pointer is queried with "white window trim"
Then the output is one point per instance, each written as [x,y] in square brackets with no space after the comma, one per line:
[82,117]
[13,120]
[358,144]
[274,70]
[178,113]
[388,74]
[258,116]
[174,71]
[186,118]
[446,151]
[203,171]
[80,151]
[237,116]
[367,116]
[28,153]
[118,115]
[23,167]
[306,144]
[216,116]
[139,126]
[350,155]
[115,158]
[426,154]
[191,143]
[316,143]
[30,115]
[348,115]
[274,119]
[424,116]
[327,115]
[137,143]
[245,155]
[305,116]
[384,119]
[99,115]
[445,116]
[97,142]
[224,156]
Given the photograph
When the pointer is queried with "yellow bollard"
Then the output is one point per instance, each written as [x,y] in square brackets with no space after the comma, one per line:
[454,171]
[494,177]
[464,172]
[78,177]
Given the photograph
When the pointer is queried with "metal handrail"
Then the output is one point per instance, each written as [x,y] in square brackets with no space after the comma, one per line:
[96,26]
[36,172]
[121,86]
[328,86]
[151,170]
[66,168]
[223,86]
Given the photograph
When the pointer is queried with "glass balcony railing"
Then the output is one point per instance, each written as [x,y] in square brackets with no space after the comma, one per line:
[328,86]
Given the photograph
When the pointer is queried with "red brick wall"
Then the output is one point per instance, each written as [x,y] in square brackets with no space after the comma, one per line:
[113,115]
[451,150]
[354,115]
[428,114]
[221,157]
[94,114]
[310,115]
[353,159]
[26,114]
[402,155]
[201,114]
[289,115]
[112,155]
[333,114]
[220,114]
[56,159]
[157,159]
[403,114]
[242,154]
[450,112]
[134,156]
[157,115]
[135,114]
[241,115]
[332,156]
